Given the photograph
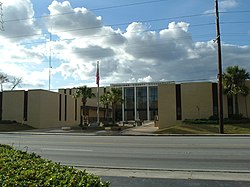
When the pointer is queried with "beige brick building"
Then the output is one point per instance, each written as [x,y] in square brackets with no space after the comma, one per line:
[45,109]
[177,102]
[170,102]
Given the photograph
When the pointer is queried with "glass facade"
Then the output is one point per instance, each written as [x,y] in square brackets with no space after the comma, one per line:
[129,103]
[140,100]
[153,102]
[141,103]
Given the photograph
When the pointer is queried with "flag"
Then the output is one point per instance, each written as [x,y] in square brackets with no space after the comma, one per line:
[97,74]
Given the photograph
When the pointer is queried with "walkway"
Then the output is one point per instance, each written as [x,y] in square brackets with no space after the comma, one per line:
[146,129]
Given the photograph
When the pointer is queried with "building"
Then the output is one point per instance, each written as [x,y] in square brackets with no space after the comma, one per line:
[140,101]
[91,105]
[197,100]
[45,109]
[167,102]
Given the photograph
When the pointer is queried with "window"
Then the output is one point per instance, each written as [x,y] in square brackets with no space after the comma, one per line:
[178,102]
[141,103]
[129,98]
[1,105]
[230,106]
[215,99]
[25,106]
[75,109]
[60,107]
[65,108]
[153,101]
[129,103]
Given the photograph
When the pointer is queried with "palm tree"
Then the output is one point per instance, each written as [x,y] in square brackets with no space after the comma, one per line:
[115,98]
[245,93]
[84,93]
[234,83]
[105,100]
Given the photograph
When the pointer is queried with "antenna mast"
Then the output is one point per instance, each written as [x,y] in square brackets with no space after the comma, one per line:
[1,17]
[50,61]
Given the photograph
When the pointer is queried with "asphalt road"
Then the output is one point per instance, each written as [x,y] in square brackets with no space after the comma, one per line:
[201,153]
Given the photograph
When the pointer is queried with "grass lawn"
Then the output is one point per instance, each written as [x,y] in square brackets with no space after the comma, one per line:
[205,129]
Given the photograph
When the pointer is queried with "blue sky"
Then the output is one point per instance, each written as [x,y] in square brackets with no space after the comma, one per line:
[135,41]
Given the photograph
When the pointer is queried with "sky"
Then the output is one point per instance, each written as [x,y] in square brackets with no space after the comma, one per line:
[56,44]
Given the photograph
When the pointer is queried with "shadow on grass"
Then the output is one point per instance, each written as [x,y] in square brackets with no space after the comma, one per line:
[189,129]
[205,129]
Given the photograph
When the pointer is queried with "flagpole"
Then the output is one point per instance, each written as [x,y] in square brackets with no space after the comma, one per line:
[97,82]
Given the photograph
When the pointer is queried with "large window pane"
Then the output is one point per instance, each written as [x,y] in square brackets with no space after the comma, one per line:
[153,101]
[141,103]
[129,103]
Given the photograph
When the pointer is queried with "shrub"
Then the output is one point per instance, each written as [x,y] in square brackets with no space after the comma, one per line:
[6,122]
[199,121]
[236,117]
[213,117]
[18,168]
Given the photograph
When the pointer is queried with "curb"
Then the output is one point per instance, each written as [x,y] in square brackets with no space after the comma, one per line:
[162,169]
[109,133]
[177,174]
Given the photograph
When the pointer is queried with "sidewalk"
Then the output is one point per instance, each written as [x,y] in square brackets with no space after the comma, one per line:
[170,173]
[147,128]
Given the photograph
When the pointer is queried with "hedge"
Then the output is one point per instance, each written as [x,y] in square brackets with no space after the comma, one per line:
[18,168]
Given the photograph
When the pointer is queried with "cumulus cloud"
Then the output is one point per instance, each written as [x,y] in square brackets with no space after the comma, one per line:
[93,52]
[137,54]
[19,23]
[67,22]
[170,43]
[225,5]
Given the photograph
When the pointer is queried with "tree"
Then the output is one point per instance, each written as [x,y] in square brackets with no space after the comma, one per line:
[11,81]
[111,98]
[15,81]
[3,79]
[105,100]
[234,83]
[115,98]
[84,93]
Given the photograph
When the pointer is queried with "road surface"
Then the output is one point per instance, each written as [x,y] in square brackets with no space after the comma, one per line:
[201,153]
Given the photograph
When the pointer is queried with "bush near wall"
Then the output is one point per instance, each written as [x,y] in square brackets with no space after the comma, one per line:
[235,119]
[18,168]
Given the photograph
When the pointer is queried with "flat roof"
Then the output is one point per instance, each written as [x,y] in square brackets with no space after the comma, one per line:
[141,84]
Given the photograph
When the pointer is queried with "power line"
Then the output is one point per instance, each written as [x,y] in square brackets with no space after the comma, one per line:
[94,9]
[103,35]
[235,12]
[159,29]
[119,24]
[142,21]
[119,6]
[98,27]
[234,22]
[127,5]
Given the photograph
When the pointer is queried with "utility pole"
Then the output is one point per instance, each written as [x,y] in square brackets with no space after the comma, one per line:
[220,94]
